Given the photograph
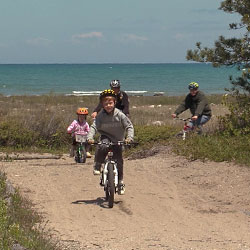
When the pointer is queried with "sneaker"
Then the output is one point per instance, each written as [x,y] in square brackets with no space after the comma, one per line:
[88,155]
[121,188]
[96,172]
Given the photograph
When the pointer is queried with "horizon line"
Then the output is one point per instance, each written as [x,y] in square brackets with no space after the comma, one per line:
[106,63]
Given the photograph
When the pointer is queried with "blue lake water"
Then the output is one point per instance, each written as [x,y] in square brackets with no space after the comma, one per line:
[88,79]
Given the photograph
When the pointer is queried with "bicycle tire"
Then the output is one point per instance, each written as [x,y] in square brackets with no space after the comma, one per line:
[179,134]
[83,155]
[77,157]
[110,189]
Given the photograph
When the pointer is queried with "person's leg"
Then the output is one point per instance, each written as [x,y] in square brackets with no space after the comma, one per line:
[119,159]
[100,155]
[117,151]
[201,121]
[87,147]
[73,148]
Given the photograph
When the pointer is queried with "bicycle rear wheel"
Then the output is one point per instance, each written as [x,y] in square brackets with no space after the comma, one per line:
[110,189]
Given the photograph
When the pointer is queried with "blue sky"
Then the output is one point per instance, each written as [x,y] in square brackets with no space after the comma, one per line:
[111,31]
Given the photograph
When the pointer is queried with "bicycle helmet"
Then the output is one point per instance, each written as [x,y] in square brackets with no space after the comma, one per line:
[115,84]
[82,111]
[107,92]
[193,85]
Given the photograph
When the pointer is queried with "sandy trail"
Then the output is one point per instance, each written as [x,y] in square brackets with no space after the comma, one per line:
[170,203]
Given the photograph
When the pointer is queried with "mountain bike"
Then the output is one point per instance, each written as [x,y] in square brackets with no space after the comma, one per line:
[109,172]
[80,152]
[186,128]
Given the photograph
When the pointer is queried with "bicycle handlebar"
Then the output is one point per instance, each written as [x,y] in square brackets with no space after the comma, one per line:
[118,143]
[182,119]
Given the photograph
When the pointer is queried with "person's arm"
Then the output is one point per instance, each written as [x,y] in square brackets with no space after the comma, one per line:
[182,107]
[92,131]
[71,128]
[125,101]
[129,128]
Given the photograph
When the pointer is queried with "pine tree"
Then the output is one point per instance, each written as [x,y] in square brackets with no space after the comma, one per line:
[232,52]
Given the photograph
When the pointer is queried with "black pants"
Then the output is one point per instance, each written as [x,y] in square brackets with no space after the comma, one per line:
[101,153]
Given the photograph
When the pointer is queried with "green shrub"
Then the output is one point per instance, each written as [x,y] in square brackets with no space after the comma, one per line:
[149,134]
[15,135]
[238,121]
[215,147]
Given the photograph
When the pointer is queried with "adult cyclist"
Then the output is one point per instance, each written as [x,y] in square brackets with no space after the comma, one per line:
[122,101]
[198,105]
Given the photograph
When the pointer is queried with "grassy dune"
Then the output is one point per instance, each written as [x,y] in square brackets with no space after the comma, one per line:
[38,123]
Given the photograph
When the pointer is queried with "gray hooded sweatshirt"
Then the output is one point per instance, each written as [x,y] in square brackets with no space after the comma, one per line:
[114,125]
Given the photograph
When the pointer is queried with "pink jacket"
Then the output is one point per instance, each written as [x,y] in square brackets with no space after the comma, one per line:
[76,128]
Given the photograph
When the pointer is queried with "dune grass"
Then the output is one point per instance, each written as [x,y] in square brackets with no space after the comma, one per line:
[20,225]
[38,123]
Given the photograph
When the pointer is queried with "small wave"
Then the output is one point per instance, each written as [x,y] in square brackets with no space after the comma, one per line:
[84,93]
[87,92]
[136,91]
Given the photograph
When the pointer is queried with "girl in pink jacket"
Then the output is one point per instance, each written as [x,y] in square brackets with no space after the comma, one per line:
[79,126]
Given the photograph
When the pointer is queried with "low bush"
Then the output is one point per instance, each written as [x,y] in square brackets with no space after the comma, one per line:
[13,134]
[149,134]
[215,147]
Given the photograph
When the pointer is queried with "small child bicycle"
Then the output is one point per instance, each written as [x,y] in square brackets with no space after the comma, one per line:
[109,171]
[80,153]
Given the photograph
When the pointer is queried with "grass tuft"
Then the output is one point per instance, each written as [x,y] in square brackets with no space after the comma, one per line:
[20,224]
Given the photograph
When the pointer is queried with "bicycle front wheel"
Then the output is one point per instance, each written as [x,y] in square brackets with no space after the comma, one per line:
[110,189]
[83,155]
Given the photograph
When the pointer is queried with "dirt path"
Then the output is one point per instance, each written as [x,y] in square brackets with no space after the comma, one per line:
[170,203]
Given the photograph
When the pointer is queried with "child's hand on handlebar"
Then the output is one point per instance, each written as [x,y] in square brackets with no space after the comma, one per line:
[128,141]
[174,115]
[91,141]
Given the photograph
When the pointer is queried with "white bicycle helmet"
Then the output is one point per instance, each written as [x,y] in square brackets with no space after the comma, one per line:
[115,84]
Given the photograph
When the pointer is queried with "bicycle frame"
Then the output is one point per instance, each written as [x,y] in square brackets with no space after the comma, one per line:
[186,128]
[108,160]
[81,141]
[105,171]
[109,171]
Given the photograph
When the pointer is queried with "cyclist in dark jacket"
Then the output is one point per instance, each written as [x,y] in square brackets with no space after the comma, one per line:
[122,101]
[197,103]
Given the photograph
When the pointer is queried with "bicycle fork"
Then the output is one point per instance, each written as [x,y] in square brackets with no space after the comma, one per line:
[104,176]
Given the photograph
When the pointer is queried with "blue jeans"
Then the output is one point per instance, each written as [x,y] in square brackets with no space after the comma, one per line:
[199,122]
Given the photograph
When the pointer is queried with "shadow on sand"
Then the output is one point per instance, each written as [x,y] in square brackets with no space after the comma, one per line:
[99,202]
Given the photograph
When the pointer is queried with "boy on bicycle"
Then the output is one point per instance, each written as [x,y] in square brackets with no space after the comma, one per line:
[112,125]
[79,126]
[197,103]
